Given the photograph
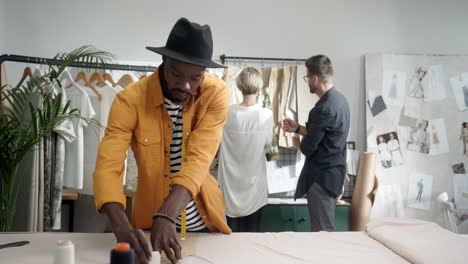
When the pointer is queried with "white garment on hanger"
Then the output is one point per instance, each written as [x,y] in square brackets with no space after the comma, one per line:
[66,133]
[93,135]
[65,129]
[28,213]
[235,94]
[74,151]
[242,162]
[108,94]
[91,141]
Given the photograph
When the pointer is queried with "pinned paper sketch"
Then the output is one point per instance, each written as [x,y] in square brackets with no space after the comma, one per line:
[460,191]
[438,137]
[393,89]
[458,168]
[414,107]
[435,90]
[460,90]
[418,83]
[419,137]
[464,138]
[406,121]
[389,150]
[377,105]
[420,191]
[388,202]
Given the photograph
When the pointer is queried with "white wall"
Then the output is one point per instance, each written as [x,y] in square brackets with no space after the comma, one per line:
[345,30]
[2,26]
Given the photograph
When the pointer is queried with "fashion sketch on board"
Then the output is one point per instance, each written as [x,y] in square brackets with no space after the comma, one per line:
[420,191]
[394,148]
[416,88]
[384,153]
[419,138]
[420,186]
[438,137]
[393,89]
[389,150]
[465,94]
[460,91]
[464,138]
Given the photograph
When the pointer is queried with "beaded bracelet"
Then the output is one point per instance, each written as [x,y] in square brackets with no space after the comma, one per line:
[165,217]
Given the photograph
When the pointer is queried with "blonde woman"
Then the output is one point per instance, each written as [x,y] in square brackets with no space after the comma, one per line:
[246,138]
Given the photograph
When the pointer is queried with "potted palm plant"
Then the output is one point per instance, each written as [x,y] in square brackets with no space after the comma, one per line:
[23,125]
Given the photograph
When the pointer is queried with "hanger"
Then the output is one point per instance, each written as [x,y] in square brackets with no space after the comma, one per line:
[66,78]
[37,75]
[225,74]
[28,73]
[125,80]
[81,76]
[107,77]
[97,77]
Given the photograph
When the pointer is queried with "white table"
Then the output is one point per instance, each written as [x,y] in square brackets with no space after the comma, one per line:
[286,247]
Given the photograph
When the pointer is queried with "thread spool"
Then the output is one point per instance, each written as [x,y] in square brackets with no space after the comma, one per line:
[64,252]
[155,257]
[122,254]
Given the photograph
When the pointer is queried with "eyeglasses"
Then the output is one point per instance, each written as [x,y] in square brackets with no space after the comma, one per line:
[307,77]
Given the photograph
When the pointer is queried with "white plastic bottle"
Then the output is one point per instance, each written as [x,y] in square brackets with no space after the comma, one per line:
[64,252]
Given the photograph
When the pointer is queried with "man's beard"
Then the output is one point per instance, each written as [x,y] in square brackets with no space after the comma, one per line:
[175,92]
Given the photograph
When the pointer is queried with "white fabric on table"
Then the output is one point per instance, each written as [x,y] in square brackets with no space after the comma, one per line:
[202,248]
[419,241]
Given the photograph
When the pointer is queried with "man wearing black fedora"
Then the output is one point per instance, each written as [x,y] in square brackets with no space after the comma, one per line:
[173,121]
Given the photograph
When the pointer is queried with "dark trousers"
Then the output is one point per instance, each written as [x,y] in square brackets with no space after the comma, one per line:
[249,223]
[321,204]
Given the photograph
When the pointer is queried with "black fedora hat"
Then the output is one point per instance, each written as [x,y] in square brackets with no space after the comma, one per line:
[191,43]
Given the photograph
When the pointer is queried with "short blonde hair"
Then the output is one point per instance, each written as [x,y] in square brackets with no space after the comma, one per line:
[249,81]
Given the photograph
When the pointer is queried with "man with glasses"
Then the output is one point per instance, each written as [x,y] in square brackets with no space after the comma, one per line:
[173,120]
[324,145]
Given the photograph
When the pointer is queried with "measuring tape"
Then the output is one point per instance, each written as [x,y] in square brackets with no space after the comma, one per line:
[183,216]
[183,224]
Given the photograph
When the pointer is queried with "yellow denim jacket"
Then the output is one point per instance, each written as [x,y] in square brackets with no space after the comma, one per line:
[138,117]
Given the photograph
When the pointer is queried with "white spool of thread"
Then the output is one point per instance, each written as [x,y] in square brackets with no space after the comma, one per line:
[64,252]
[155,258]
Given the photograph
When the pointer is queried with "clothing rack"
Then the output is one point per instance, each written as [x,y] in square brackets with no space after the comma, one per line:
[224,57]
[110,66]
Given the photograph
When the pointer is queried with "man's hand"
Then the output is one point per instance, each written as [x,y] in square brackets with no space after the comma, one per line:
[164,237]
[124,232]
[289,125]
[163,231]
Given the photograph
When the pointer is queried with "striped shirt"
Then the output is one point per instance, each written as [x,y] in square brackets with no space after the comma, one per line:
[194,221]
